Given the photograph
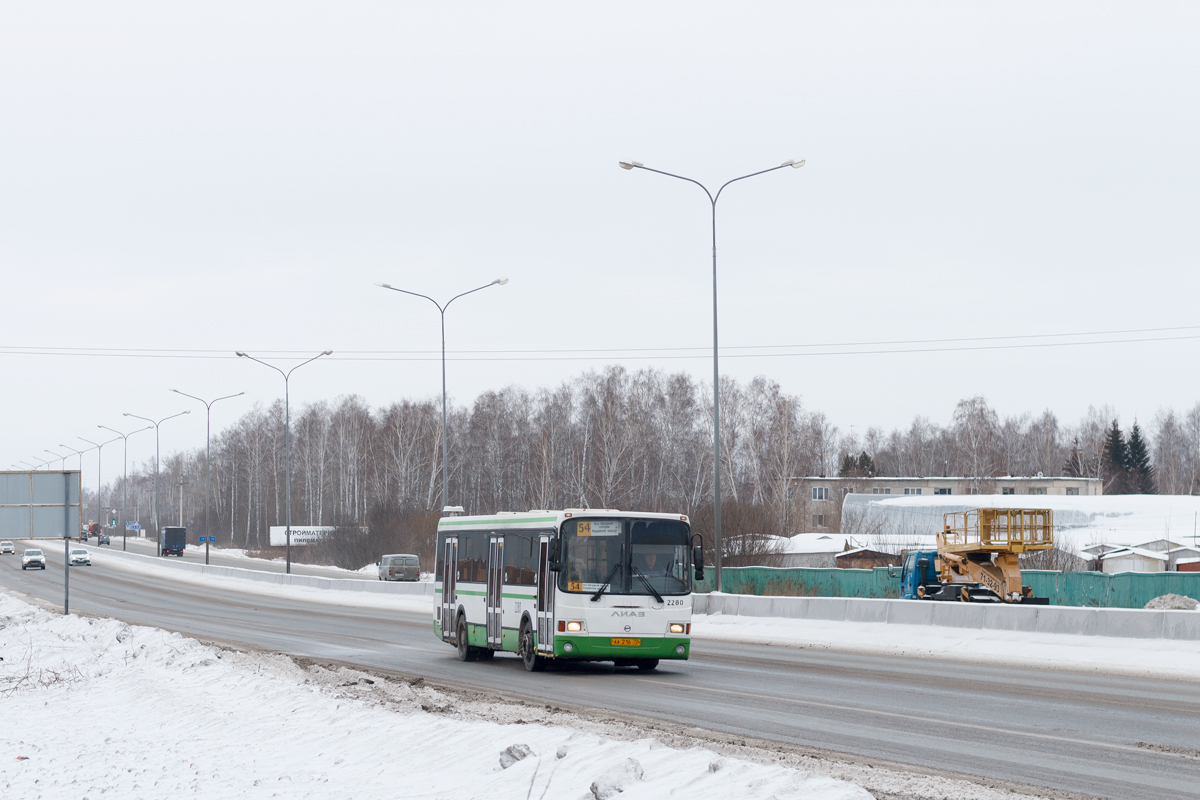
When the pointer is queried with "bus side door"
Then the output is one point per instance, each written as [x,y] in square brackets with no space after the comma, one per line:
[495,595]
[545,597]
[449,579]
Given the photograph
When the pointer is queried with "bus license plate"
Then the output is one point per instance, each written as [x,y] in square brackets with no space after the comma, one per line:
[627,642]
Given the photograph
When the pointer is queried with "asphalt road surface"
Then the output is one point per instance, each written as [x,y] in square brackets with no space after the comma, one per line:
[1077,732]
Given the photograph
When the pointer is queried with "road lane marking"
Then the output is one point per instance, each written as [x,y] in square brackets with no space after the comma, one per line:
[880,712]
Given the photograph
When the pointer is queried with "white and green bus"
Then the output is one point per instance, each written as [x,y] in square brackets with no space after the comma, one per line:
[580,584]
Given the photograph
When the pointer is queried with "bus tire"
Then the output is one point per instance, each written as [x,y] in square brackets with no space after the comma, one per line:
[529,657]
[465,651]
[647,664]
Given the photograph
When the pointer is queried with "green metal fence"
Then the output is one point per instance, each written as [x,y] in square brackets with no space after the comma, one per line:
[1126,590]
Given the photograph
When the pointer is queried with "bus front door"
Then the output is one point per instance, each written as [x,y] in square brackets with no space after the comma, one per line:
[449,576]
[545,599]
[495,596]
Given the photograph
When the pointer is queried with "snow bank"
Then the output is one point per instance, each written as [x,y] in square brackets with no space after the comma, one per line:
[94,707]
[307,594]
[1142,657]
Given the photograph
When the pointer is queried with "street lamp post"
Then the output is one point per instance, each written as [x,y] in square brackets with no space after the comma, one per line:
[62,466]
[287,441]
[99,448]
[76,452]
[442,311]
[208,404]
[125,480]
[156,454]
[712,199]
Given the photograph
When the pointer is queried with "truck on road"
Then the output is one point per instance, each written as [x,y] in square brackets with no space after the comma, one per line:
[172,540]
[978,557]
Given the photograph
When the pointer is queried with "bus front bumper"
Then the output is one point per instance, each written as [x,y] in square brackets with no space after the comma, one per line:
[602,648]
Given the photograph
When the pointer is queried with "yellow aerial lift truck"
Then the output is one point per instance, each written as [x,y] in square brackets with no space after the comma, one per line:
[978,557]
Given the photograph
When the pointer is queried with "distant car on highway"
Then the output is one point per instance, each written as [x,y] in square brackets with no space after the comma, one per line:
[104,539]
[79,558]
[7,549]
[31,559]
[400,567]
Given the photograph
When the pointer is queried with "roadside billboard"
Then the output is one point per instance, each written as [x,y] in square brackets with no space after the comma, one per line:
[40,505]
[303,534]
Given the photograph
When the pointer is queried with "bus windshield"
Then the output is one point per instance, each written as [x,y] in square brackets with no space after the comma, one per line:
[633,556]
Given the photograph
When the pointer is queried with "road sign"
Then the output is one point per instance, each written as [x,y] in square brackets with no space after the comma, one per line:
[132,526]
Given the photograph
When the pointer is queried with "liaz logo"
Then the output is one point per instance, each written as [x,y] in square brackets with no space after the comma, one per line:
[629,613]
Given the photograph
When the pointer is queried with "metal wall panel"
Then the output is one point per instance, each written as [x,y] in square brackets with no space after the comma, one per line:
[48,488]
[14,522]
[14,488]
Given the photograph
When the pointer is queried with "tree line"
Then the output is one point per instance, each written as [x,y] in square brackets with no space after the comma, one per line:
[611,439]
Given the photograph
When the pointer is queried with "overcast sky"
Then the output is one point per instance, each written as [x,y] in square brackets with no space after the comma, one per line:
[219,176]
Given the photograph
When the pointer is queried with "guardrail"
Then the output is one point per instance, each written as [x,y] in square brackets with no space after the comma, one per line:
[283,579]
[1120,622]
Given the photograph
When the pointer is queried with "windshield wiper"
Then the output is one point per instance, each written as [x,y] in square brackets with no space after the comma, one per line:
[646,581]
[607,581]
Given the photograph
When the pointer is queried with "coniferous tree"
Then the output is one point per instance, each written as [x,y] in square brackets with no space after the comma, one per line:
[1141,473]
[866,465]
[849,468]
[1116,462]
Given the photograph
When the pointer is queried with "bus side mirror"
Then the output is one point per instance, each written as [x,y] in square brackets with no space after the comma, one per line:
[698,561]
[552,555]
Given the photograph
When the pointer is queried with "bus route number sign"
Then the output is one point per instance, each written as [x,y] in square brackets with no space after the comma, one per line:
[598,527]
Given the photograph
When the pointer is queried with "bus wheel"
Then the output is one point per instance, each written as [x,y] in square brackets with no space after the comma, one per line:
[529,657]
[465,651]
[647,664]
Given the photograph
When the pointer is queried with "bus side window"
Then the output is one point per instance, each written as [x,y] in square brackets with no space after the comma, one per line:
[440,557]
[520,559]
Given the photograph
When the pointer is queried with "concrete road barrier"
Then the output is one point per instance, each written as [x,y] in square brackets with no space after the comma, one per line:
[375,586]
[1120,622]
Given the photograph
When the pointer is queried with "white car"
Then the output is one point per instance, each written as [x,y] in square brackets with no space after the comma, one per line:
[7,549]
[81,557]
[31,559]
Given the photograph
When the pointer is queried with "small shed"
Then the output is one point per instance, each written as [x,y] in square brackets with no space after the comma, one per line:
[1187,565]
[865,558]
[1133,559]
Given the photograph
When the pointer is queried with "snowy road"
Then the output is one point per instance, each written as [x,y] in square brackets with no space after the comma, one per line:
[1075,732]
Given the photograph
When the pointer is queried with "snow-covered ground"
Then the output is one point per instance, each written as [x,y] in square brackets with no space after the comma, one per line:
[1162,658]
[94,707]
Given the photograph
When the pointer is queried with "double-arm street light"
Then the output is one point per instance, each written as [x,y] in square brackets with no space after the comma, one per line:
[63,465]
[208,404]
[76,452]
[156,455]
[125,481]
[99,448]
[287,441]
[712,199]
[442,311]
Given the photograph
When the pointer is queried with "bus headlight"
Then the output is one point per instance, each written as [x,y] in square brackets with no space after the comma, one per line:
[574,627]
[676,627]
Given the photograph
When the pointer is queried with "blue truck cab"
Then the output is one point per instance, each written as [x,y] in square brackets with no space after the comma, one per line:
[920,569]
